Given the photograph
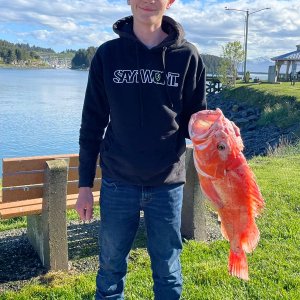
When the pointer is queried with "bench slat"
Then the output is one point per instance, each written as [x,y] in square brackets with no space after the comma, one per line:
[33,192]
[23,179]
[19,179]
[11,165]
[13,209]
[6,205]
[22,194]
[73,174]
[72,187]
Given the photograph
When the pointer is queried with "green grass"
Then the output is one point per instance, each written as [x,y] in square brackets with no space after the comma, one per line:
[273,267]
[20,222]
[279,103]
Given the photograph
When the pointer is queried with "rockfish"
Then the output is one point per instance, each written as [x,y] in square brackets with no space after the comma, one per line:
[228,182]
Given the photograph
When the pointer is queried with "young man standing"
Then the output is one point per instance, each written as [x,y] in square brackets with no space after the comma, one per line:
[142,88]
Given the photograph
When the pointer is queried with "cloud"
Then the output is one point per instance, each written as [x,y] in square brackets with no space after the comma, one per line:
[62,24]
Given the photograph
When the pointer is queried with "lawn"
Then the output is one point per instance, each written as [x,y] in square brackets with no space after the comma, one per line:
[280,89]
[273,267]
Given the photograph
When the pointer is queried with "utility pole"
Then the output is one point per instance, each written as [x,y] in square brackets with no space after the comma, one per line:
[246,35]
[246,43]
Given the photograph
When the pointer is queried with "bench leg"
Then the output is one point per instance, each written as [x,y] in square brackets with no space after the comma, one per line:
[198,220]
[48,232]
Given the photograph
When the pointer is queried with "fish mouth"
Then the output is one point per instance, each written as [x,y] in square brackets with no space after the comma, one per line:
[204,122]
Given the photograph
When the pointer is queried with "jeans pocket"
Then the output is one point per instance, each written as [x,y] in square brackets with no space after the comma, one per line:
[109,184]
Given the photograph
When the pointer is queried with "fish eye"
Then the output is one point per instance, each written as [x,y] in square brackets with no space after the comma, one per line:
[221,147]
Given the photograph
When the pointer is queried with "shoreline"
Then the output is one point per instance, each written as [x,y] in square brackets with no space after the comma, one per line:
[14,67]
[18,67]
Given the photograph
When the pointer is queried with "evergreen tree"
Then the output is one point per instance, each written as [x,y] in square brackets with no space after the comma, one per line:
[83,58]
[10,57]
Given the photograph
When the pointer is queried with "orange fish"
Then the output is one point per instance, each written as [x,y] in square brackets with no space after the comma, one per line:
[228,182]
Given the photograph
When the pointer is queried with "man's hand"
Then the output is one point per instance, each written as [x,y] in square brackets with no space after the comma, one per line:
[85,203]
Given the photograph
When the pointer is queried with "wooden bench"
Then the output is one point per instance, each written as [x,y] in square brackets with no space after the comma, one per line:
[43,188]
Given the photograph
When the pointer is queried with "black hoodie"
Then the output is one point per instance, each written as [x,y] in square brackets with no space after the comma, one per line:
[144,98]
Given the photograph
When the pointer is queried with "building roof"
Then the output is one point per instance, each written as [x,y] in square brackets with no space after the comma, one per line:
[295,56]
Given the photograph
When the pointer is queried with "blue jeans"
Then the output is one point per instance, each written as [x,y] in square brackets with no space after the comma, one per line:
[120,207]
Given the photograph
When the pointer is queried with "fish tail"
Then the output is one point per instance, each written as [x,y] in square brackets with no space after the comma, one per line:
[238,265]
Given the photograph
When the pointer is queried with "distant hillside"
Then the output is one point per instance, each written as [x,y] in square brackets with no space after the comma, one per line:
[24,55]
[211,62]
[260,64]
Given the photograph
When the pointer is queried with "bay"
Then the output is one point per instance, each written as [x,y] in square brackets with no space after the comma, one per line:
[40,111]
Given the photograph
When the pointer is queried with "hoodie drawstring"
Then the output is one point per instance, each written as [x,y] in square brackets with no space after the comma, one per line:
[140,88]
[166,77]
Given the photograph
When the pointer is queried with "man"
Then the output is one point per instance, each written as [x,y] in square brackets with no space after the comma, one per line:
[143,87]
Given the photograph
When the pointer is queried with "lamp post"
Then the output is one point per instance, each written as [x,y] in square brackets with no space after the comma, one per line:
[246,35]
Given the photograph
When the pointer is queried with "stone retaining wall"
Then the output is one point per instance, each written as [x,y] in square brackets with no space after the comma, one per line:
[257,139]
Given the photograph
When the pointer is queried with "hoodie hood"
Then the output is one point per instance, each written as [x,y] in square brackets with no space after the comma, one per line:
[124,28]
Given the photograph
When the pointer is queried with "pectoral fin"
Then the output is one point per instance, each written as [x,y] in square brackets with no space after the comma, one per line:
[210,192]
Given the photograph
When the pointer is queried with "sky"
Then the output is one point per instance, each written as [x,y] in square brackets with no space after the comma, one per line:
[75,24]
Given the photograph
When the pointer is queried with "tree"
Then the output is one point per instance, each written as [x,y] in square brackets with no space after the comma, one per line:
[80,60]
[83,58]
[233,54]
[90,54]
[11,56]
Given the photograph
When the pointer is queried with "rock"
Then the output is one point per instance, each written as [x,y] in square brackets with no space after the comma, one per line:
[253,117]
[235,108]
[244,114]
[256,138]
[241,121]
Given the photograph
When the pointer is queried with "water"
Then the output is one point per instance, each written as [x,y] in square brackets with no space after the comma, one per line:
[261,76]
[253,75]
[40,111]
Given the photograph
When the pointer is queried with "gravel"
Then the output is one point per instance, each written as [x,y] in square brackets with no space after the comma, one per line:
[19,263]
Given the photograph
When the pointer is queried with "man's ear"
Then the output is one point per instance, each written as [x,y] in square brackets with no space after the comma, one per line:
[169,4]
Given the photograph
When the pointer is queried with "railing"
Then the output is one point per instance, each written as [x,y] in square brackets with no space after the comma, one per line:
[287,77]
[213,85]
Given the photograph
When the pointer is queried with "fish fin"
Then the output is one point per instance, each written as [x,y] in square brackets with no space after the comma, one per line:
[250,239]
[237,265]
[224,233]
[257,201]
[210,192]
[238,138]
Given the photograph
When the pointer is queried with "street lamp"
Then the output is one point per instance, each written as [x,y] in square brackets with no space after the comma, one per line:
[246,37]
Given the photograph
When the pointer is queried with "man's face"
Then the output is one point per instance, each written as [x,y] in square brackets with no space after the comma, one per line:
[149,12]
